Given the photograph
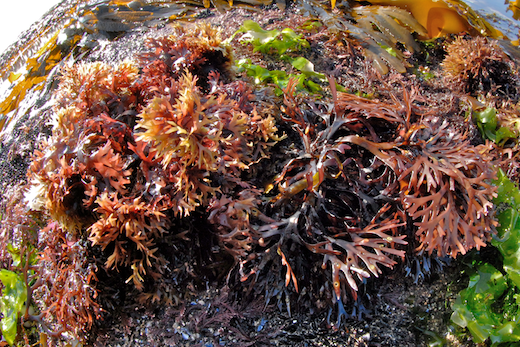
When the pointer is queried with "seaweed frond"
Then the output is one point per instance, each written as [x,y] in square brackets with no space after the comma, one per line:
[445,17]
[197,49]
[124,220]
[449,191]
[362,252]
[380,28]
[445,184]
[479,66]
[184,132]
[66,283]
[377,29]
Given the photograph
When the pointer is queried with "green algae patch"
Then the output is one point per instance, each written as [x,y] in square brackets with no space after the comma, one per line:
[490,306]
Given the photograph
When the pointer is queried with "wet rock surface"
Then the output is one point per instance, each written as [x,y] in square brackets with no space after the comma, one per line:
[400,313]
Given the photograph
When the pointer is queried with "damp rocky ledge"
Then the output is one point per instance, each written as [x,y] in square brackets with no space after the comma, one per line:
[252,174]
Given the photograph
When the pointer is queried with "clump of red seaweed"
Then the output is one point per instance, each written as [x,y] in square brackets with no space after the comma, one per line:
[363,166]
[132,152]
[478,65]
[146,155]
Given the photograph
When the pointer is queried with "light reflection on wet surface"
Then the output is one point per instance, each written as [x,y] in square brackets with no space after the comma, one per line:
[499,14]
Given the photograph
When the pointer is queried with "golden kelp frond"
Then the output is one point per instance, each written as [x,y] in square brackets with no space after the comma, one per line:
[335,21]
[380,28]
[389,25]
[477,22]
[43,41]
[46,48]
[376,28]
[38,68]
[441,17]
[122,16]
[514,6]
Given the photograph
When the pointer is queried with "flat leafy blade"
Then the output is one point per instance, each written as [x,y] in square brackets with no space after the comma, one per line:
[14,295]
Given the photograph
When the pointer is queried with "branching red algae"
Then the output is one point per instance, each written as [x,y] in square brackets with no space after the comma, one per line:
[137,149]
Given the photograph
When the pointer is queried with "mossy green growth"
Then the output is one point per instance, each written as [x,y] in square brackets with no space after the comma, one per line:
[424,74]
[490,306]
[14,292]
[311,25]
[508,234]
